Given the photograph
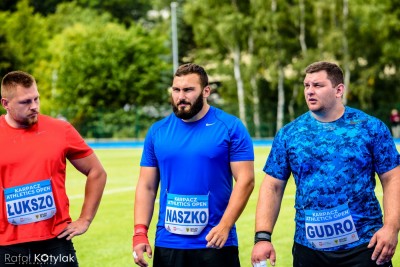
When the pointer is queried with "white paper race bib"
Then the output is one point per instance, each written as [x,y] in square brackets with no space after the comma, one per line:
[330,228]
[30,202]
[186,214]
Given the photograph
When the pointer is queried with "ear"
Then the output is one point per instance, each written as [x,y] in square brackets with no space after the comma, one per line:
[206,91]
[340,90]
[4,103]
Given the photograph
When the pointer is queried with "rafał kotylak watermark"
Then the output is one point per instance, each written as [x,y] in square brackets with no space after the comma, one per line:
[42,259]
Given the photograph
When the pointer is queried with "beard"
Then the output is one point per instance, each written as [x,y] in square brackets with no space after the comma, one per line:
[23,121]
[191,112]
[28,122]
[31,121]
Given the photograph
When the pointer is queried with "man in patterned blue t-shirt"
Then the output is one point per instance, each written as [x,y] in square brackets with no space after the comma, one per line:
[333,152]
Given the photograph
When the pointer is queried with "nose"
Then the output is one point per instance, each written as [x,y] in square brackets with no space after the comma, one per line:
[309,90]
[181,95]
[34,105]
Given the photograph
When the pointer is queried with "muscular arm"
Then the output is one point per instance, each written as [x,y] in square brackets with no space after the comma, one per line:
[268,207]
[385,240]
[243,172]
[95,183]
[146,192]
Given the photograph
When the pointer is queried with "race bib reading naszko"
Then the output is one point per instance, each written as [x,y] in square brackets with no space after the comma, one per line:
[186,214]
[330,228]
[30,202]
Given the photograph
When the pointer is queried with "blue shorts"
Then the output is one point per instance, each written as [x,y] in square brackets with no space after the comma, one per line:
[210,257]
[47,253]
[359,256]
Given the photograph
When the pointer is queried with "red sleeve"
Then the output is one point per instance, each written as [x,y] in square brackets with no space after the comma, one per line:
[77,147]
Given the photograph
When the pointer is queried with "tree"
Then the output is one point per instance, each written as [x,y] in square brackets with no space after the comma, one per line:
[97,65]
[276,41]
[126,11]
[7,4]
[24,36]
[222,27]
[255,52]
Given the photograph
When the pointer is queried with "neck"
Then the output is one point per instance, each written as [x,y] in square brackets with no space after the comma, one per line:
[329,115]
[12,123]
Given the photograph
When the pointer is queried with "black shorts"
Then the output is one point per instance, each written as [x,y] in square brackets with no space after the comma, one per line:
[209,257]
[47,253]
[356,257]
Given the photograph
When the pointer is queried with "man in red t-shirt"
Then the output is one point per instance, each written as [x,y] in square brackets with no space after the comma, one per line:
[35,225]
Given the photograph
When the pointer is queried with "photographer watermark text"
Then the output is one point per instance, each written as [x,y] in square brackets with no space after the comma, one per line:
[20,259]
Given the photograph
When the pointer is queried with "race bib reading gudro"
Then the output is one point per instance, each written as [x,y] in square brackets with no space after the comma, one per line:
[186,214]
[330,228]
[30,202]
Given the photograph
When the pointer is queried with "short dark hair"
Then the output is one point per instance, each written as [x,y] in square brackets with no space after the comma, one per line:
[333,71]
[190,68]
[14,78]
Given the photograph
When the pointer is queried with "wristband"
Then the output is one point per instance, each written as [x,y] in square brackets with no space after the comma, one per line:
[262,236]
[140,235]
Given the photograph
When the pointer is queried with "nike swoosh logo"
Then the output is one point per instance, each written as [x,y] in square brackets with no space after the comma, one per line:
[209,124]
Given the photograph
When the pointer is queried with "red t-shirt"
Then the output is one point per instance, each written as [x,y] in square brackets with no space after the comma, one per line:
[37,154]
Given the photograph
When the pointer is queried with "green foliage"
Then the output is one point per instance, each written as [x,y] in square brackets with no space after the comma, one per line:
[68,14]
[24,38]
[130,121]
[275,30]
[6,56]
[91,55]
[7,4]
[85,62]
[126,11]
[98,64]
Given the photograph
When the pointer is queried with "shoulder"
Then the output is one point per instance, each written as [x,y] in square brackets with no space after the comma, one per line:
[57,126]
[2,120]
[225,118]
[354,115]
[162,123]
[295,131]
[299,124]
[50,121]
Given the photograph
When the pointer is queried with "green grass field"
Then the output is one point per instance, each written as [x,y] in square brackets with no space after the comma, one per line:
[108,241]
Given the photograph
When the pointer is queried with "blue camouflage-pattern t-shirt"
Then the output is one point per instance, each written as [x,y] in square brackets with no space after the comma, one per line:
[333,164]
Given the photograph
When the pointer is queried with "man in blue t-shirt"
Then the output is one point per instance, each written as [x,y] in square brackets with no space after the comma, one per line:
[333,152]
[193,155]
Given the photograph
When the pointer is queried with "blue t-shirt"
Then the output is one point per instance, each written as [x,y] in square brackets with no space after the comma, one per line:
[194,158]
[334,164]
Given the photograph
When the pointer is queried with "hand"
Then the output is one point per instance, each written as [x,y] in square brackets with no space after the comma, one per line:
[75,228]
[217,237]
[138,254]
[385,242]
[263,250]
